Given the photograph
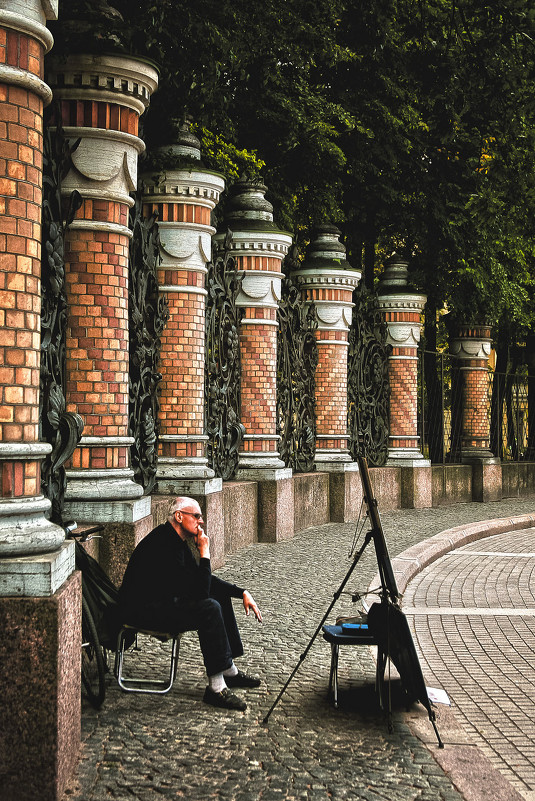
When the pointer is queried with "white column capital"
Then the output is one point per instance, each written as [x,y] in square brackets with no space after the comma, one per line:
[195,186]
[333,315]
[30,17]
[470,348]
[125,80]
[403,333]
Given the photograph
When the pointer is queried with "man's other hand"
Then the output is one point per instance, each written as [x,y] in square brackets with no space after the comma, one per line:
[249,603]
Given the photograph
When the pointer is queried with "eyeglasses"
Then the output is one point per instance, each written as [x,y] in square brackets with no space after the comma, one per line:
[196,515]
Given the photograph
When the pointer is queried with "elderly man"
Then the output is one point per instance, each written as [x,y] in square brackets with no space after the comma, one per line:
[168,586]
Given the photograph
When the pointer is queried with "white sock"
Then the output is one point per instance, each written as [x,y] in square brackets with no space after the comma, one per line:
[217,682]
[231,671]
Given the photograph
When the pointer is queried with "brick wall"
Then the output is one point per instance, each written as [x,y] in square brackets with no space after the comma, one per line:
[21,142]
[100,101]
[403,377]
[258,352]
[97,336]
[403,380]
[475,431]
[183,201]
[331,389]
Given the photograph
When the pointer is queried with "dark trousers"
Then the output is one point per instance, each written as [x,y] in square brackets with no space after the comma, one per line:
[214,621]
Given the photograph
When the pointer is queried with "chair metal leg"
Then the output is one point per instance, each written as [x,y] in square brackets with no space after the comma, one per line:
[333,675]
[144,685]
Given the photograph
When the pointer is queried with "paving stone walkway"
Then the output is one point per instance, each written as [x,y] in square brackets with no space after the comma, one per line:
[142,748]
[473,612]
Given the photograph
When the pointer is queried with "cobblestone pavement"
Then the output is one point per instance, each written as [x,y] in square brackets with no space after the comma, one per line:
[479,601]
[141,748]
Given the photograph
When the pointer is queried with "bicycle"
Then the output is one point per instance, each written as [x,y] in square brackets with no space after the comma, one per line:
[98,593]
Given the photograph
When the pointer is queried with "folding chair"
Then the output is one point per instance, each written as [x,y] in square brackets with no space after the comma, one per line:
[145,684]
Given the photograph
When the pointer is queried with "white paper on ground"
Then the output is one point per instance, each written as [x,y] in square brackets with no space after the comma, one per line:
[438,696]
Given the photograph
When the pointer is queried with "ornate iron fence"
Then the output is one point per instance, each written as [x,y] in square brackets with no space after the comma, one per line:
[59,428]
[368,385]
[439,407]
[148,315]
[224,428]
[510,413]
[512,423]
[297,359]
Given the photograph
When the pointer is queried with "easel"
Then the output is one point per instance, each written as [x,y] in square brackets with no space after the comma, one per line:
[385,619]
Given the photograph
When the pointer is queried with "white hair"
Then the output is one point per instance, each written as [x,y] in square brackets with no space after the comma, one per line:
[180,503]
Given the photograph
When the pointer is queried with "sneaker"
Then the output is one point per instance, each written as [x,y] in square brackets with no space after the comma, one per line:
[242,680]
[224,700]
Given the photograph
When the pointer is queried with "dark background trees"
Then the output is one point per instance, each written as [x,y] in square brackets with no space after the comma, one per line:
[408,123]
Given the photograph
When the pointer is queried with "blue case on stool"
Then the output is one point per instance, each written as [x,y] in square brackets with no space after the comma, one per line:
[354,628]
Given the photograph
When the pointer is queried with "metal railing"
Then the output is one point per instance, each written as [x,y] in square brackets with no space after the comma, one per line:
[511,429]
[511,423]
[439,407]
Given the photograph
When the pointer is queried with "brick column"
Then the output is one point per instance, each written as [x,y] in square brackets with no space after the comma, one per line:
[39,594]
[259,247]
[101,99]
[23,43]
[472,346]
[327,279]
[402,308]
[184,199]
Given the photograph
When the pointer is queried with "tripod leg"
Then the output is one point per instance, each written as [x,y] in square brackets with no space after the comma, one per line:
[322,621]
[433,721]
[336,652]
[380,676]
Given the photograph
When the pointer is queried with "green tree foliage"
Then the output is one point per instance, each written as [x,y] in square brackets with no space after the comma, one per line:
[409,123]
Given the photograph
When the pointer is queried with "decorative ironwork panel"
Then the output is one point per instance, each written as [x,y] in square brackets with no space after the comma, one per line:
[148,314]
[439,407]
[59,428]
[297,359]
[368,385]
[508,403]
[224,428]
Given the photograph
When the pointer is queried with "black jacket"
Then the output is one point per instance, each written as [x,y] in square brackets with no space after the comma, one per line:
[162,571]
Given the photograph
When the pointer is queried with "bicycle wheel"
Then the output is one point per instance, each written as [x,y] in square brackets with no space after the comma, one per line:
[93,669]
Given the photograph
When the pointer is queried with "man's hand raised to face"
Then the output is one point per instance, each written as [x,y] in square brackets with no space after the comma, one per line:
[202,542]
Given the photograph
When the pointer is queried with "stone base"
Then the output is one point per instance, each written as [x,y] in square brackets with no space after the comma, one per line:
[112,511]
[212,508]
[24,529]
[275,508]
[487,480]
[240,510]
[311,500]
[386,485]
[476,455]
[37,576]
[452,483]
[175,469]
[416,486]
[116,543]
[406,457]
[40,644]
[518,479]
[345,492]
[189,487]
